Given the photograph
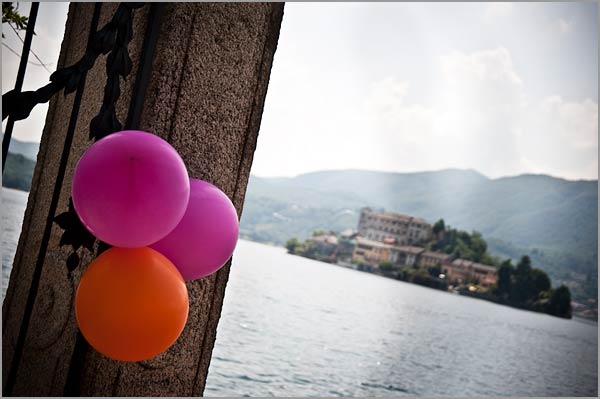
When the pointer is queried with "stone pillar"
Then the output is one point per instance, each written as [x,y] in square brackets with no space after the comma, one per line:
[205,96]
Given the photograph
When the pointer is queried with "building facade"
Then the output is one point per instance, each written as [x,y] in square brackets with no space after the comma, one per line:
[458,271]
[461,271]
[324,241]
[373,253]
[323,246]
[403,229]
[432,259]
[407,255]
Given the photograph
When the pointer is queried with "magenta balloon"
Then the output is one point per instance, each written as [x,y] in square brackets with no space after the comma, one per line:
[206,236]
[130,189]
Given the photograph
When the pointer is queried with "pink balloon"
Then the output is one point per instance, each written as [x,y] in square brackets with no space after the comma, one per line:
[130,189]
[206,236]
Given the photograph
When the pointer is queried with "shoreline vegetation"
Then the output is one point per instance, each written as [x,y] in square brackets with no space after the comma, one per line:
[459,253]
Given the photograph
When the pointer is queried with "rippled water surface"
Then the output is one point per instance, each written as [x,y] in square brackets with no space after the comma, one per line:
[14,203]
[292,326]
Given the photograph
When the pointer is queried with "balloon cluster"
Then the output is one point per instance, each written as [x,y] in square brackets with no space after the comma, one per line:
[132,191]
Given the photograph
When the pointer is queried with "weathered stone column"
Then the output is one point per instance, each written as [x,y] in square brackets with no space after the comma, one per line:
[205,96]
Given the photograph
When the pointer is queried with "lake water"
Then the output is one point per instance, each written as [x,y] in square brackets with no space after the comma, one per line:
[296,327]
[14,203]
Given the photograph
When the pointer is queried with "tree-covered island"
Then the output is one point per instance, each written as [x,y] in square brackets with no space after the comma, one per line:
[436,256]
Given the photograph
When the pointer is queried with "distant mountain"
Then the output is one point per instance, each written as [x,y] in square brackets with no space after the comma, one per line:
[18,172]
[553,219]
[25,148]
[20,163]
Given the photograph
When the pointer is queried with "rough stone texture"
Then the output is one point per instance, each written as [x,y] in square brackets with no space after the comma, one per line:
[207,90]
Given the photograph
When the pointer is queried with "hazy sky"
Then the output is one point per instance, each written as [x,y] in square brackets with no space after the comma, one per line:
[503,88]
[49,29]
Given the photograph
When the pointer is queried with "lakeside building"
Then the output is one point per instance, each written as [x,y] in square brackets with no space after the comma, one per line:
[408,255]
[392,238]
[404,229]
[432,259]
[323,246]
[373,253]
[346,245]
[461,271]
[327,240]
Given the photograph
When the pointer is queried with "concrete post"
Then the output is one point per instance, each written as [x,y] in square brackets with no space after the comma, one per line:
[205,96]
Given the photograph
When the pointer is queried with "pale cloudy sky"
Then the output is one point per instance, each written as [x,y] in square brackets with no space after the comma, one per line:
[499,87]
[502,88]
[46,43]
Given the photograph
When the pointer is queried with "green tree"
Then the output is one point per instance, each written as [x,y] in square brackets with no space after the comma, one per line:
[503,285]
[318,232]
[461,244]
[560,302]
[461,247]
[386,266]
[524,266]
[522,289]
[292,245]
[540,281]
[528,282]
[435,271]
[439,226]
[478,246]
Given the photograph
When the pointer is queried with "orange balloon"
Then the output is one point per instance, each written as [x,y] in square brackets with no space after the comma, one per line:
[131,304]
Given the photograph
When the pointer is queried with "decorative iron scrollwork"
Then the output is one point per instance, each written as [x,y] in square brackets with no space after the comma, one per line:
[113,40]
[118,64]
[113,36]
[75,235]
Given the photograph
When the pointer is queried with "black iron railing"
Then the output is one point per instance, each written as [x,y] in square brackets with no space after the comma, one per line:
[20,78]
[111,40]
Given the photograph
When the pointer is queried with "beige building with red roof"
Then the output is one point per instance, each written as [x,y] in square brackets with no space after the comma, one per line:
[432,259]
[461,271]
[404,229]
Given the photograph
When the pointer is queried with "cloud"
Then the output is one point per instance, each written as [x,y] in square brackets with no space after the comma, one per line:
[482,120]
[561,137]
[485,78]
[497,10]
[46,44]
[493,65]
[468,124]
[386,102]
[564,26]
